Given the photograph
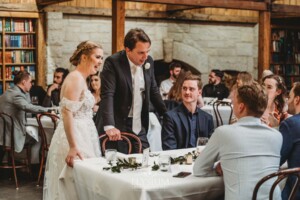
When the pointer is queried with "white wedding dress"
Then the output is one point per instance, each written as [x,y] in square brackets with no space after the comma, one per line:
[86,137]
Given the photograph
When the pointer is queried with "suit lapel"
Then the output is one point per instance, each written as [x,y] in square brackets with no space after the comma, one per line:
[185,123]
[126,69]
[199,123]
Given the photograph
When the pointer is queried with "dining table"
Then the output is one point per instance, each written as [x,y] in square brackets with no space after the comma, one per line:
[93,182]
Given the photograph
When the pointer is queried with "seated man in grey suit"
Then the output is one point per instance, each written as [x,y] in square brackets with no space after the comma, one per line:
[16,102]
[185,123]
[248,150]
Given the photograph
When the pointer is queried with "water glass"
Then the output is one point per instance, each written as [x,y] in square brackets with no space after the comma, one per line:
[35,100]
[111,155]
[164,162]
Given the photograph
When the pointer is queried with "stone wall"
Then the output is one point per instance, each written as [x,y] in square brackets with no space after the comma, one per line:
[202,46]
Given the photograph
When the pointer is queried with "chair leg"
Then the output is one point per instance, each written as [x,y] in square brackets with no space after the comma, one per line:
[14,169]
[41,167]
[28,151]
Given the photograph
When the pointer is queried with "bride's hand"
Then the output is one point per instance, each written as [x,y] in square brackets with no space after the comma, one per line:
[72,154]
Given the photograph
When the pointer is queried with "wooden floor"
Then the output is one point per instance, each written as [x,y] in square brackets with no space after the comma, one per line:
[27,186]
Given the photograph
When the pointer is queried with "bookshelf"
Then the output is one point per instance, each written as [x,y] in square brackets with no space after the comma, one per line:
[18,48]
[285,53]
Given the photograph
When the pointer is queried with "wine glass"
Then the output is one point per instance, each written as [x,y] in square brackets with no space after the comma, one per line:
[201,142]
[35,100]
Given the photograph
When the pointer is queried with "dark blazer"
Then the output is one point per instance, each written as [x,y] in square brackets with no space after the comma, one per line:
[116,93]
[290,150]
[175,132]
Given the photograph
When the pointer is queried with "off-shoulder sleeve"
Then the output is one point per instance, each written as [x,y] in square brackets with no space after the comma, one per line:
[73,106]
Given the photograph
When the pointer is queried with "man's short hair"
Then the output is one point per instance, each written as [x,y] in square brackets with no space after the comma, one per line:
[296,89]
[62,70]
[218,73]
[254,97]
[174,65]
[19,76]
[135,35]
[193,77]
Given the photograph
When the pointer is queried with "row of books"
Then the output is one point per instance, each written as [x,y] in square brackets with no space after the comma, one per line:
[289,58]
[7,86]
[286,70]
[19,40]
[9,71]
[18,25]
[18,56]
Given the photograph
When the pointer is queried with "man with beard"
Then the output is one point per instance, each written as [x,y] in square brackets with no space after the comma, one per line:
[215,88]
[166,85]
[185,123]
[290,130]
[53,93]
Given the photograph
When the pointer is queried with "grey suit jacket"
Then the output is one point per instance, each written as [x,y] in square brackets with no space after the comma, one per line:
[15,103]
[248,150]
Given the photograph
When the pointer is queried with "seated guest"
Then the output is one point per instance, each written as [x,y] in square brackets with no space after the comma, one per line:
[166,85]
[175,97]
[16,102]
[53,93]
[95,88]
[185,123]
[247,150]
[290,130]
[215,88]
[275,111]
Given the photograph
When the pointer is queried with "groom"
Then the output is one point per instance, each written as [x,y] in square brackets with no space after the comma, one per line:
[127,86]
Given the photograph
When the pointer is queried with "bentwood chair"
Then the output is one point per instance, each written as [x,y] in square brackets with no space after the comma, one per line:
[282,174]
[45,141]
[216,106]
[9,149]
[126,137]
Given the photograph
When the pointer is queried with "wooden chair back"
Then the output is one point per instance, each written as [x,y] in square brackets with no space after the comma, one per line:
[126,137]
[45,142]
[218,116]
[282,174]
[9,149]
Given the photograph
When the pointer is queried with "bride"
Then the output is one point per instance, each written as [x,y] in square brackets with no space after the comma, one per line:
[76,135]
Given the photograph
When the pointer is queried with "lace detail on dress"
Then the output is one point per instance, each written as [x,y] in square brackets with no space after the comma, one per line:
[81,109]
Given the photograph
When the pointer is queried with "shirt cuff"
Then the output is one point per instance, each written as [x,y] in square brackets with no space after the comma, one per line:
[106,128]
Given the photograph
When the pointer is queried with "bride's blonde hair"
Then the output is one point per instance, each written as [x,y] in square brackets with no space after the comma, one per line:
[86,48]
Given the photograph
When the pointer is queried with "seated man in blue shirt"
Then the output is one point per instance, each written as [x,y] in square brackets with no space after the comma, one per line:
[290,130]
[248,150]
[185,123]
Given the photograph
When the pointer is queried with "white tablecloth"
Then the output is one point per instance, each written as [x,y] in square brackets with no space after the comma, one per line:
[94,183]
[32,128]
[224,112]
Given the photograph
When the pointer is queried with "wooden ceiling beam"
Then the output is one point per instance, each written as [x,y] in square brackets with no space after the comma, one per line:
[231,4]
[49,2]
[175,8]
[286,9]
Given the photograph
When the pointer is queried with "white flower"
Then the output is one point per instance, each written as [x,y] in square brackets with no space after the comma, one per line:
[147,66]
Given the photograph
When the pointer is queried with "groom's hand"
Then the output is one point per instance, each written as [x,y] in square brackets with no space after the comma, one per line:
[113,134]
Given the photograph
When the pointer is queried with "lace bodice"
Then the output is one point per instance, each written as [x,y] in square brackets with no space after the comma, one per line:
[80,109]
